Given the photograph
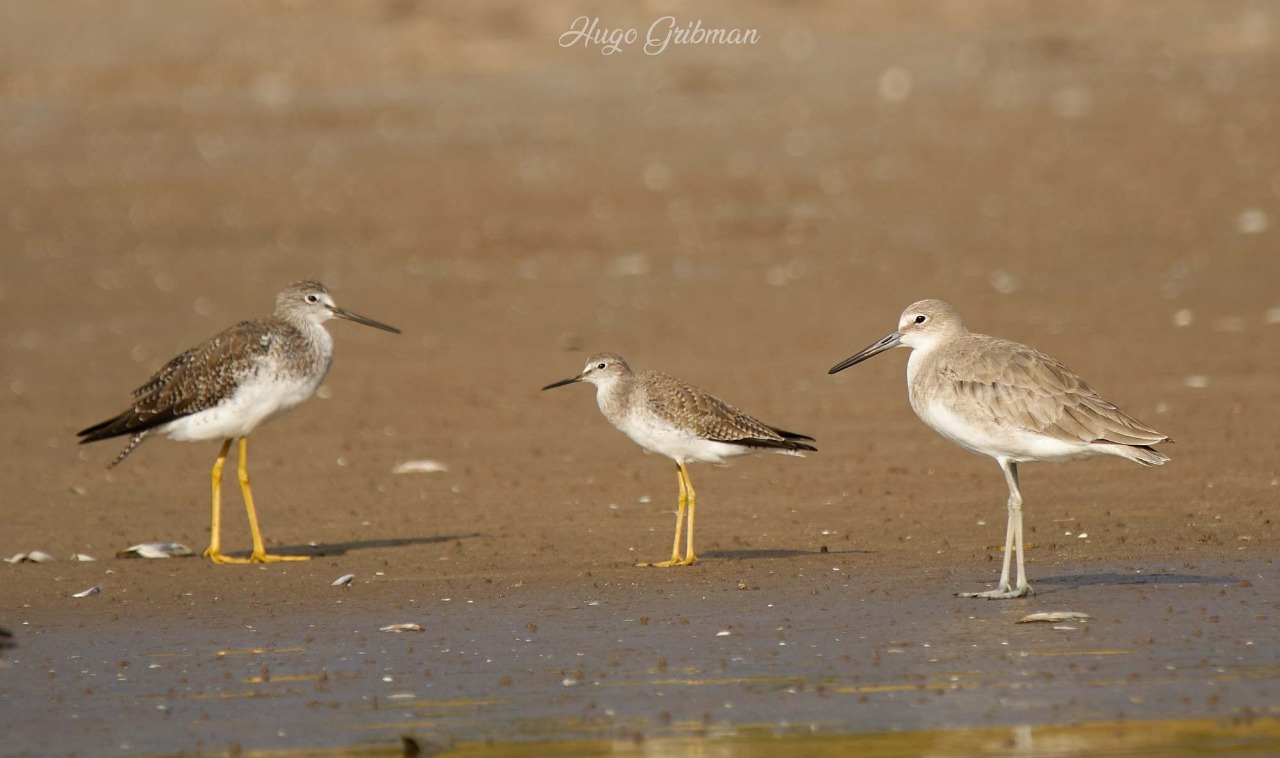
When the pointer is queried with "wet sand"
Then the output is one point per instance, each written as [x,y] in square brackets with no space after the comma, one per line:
[1097,180]
[769,649]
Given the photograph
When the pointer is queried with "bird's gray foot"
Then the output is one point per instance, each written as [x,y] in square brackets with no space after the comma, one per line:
[1003,592]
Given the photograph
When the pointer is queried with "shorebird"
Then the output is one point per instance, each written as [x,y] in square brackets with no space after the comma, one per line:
[225,387]
[1007,401]
[664,415]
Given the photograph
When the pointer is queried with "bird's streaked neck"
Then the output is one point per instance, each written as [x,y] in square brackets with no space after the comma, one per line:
[611,392]
[312,329]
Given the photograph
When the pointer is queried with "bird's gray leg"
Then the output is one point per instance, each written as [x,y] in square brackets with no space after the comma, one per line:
[1012,541]
[1015,509]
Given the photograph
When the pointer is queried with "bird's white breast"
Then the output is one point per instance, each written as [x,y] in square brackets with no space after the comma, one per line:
[256,400]
[678,444]
[658,436]
[972,430]
[974,427]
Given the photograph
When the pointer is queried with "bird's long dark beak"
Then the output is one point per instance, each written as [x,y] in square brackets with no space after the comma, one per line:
[888,342]
[563,382]
[356,317]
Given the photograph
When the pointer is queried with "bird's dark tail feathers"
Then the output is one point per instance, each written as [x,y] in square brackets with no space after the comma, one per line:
[795,440]
[790,442]
[134,441]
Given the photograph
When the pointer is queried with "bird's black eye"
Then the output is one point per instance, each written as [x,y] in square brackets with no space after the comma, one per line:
[921,319]
[312,299]
[599,365]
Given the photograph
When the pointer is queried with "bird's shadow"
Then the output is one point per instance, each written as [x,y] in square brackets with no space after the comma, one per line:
[1111,578]
[329,549]
[766,553]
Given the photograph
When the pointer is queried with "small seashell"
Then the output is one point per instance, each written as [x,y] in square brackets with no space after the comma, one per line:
[1055,616]
[401,628]
[1252,221]
[95,589]
[35,556]
[723,633]
[343,580]
[424,466]
[156,550]
[83,557]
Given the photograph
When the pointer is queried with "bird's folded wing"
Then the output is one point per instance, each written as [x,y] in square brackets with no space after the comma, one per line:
[1028,389]
[705,415]
[197,379]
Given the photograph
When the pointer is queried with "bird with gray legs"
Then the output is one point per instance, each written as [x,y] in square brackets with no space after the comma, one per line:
[1007,401]
[668,417]
[227,386]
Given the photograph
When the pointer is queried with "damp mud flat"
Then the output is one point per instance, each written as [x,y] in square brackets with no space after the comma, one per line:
[805,652]
[1097,181]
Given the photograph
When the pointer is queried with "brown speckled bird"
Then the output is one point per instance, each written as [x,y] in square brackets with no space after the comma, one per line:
[225,387]
[666,416]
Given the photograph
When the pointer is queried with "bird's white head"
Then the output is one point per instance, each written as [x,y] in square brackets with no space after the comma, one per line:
[310,302]
[923,325]
[928,322]
[601,369]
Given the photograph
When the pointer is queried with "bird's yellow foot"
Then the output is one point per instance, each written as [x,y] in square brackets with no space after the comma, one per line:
[217,557]
[675,561]
[268,558]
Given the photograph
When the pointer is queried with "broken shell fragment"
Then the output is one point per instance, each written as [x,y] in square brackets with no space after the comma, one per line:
[401,628]
[83,557]
[156,550]
[420,467]
[91,591]
[1055,616]
[343,580]
[35,556]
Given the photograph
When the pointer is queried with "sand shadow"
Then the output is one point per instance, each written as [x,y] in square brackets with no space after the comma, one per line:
[766,553]
[1075,581]
[330,549]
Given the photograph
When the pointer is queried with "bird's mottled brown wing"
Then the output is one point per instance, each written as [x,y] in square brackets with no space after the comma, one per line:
[1022,386]
[708,416]
[164,375]
[192,382]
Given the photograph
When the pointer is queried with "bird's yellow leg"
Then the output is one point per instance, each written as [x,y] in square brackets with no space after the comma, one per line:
[259,554]
[214,551]
[689,557]
[675,546]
